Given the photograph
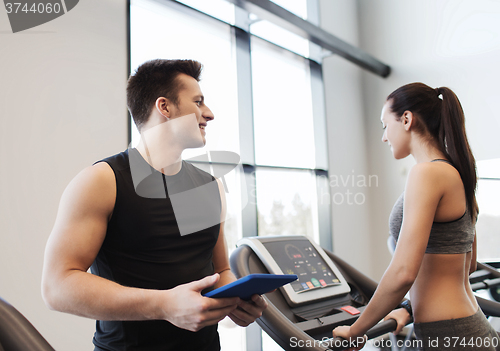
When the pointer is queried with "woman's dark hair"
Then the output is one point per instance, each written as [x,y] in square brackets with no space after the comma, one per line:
[154,79]
[439,115]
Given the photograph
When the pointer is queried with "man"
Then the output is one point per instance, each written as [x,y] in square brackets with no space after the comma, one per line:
[152,249]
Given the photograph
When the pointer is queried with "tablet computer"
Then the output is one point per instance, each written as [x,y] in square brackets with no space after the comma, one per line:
[252,284]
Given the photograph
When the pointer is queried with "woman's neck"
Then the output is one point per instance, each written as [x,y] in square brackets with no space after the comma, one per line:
[425,151]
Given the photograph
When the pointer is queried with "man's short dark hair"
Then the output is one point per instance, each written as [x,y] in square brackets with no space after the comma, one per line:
[154,79]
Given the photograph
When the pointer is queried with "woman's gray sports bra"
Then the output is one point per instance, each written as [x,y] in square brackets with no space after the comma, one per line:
[445,238]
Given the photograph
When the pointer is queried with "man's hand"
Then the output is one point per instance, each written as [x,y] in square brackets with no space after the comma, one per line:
[344,332]
[401,316]
[187,309]
[248,311]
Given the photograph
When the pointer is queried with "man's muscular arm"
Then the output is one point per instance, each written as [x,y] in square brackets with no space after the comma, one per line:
[77,236]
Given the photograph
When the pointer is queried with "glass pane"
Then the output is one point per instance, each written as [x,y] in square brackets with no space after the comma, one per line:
[287,203]
[268,344]
[281,37]
[488,223]
[220,9]
[161,31]
[283,119]
[232,336]
[488,168]
[297,7]
[231,179]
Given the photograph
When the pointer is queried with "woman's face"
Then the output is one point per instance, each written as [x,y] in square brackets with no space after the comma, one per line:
[395,132]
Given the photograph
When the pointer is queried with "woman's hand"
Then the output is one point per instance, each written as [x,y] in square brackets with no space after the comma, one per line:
[401,316]
[353,343]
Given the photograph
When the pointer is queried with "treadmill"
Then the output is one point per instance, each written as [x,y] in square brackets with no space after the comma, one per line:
[329,292]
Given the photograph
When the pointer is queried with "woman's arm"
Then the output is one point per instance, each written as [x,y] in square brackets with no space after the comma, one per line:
[423,191]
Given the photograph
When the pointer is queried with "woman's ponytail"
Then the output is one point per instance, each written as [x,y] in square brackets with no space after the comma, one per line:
[453,141]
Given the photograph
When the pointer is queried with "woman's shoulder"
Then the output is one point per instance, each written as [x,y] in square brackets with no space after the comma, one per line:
[434,169]
[435,174]
[424,171]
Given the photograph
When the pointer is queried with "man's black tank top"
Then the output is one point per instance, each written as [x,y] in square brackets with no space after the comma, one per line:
[144,248]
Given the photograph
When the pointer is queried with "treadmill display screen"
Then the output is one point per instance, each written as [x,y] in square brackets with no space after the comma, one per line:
[301,258]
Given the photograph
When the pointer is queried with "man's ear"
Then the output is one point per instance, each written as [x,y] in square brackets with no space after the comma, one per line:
[164,107]
[407,120]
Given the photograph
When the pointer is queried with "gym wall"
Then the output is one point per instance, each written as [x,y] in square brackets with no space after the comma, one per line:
[348,156]
[62,107]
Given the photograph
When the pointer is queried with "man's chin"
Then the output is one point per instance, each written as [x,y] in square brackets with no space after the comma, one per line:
[196,145]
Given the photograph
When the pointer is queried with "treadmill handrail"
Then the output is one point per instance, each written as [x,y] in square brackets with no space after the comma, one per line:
[239,266]
[379,329]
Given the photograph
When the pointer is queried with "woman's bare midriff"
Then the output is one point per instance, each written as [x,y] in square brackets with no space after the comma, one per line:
[441,290]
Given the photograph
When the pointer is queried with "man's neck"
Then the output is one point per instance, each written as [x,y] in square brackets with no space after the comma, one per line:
[167,161]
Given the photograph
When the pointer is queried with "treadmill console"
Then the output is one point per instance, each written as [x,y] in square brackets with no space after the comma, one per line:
[319,278]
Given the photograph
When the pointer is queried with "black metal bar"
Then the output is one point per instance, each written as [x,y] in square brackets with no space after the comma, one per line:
[274,13]
[382,328]
[486,284]
[322,171]
[324,210]
[249,214]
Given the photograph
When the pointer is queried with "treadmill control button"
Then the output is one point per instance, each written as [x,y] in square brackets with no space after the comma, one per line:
[351,310]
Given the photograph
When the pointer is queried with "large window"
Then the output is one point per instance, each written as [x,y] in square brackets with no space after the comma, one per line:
[267,97]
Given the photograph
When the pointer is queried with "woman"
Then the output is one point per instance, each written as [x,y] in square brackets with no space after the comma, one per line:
[436,242]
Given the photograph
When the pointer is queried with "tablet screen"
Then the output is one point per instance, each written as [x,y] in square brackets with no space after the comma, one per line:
[301,258]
